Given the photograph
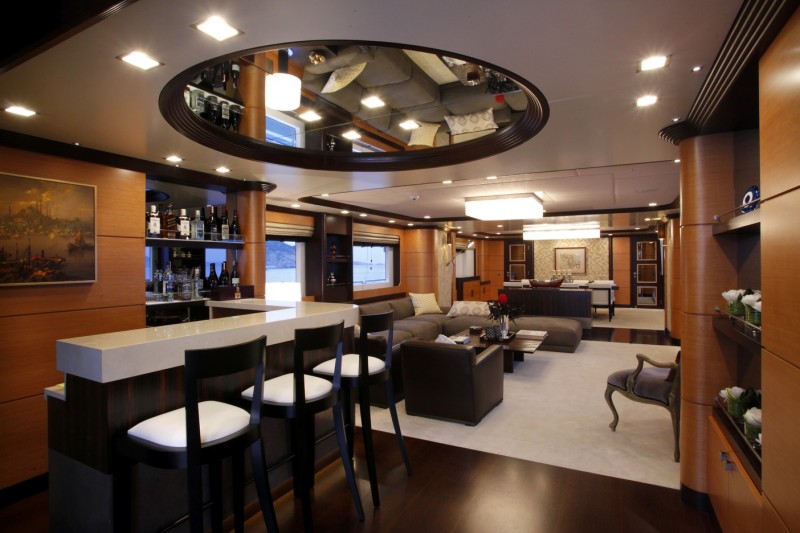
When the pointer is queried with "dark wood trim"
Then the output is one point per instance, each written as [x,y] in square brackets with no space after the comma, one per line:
[381,298]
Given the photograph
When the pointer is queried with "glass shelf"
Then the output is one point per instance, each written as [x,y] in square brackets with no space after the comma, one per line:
[743,333]
[192,243]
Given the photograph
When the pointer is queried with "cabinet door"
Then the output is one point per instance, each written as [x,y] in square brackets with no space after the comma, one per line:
[744,503]
[717,474]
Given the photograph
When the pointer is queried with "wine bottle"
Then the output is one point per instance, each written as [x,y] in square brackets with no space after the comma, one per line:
[204,223]
[235,274]
[213,281]
[184,227]
[235,73]
[225,115]
[224,277]
[154,222]
[212,228]
[224,227]
[235,230]
[197,226]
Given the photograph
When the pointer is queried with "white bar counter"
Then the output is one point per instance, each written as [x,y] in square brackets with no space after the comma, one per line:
[125,354]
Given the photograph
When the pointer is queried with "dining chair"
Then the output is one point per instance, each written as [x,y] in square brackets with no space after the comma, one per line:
[359,372]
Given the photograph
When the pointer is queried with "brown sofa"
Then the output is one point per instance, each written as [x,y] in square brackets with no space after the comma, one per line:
[451,381]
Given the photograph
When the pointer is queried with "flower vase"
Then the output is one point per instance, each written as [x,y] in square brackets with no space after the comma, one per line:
[751,431]
[752,316]
[736,308]
[504,326]
[736,408]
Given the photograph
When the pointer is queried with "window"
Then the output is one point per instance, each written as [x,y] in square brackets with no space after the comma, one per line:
[373,266]
[285,262]
[465,263]
[284,130]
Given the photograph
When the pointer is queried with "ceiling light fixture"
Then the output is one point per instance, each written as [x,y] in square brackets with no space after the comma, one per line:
[19,110]
[409,124]
[310,116]
[652,204]
[223,170]
[282,91]
[372,102]
[362,215]
[545,232]
[141,60]
[217,28]
[392,221]
[697,68]
[324,194]
[447,182]
[344,212]
[505,207]
[491,177]
[653,63]
[295,205]
[647,100]
[174,158]
[351,135]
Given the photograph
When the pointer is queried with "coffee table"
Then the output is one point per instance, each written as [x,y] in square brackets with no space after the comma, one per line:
[514,349]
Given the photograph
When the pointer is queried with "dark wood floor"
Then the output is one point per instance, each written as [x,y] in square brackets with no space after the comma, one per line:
[459,490]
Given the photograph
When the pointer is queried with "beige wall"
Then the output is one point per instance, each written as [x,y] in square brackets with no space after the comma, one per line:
[596,257]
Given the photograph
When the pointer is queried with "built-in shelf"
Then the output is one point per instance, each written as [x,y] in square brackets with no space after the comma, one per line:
[748,453]
[190,243]
[744,223]
[742,333]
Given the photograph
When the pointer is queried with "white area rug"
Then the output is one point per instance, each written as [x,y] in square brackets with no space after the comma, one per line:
[631,318]
[553,412]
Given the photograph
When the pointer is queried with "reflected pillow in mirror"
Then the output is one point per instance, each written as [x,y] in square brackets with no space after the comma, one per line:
[424,135]
[341,78]
[480,121]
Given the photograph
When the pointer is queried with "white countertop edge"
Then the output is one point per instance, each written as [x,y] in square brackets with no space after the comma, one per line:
[113,356]
[58,392]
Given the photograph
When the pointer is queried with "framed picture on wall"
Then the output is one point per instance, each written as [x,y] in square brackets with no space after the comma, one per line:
[47,231]
[516,252]
[516,272]
[572,259]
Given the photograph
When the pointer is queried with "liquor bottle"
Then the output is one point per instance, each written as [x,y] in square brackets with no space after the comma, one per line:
[235,274]
[236,117]
[184,227]
[212,226]
[224,227]
[225,115]
[213,281]
[224,277]
[158,281]
[197,226]
[235,74]
[203,222]
[235,230]
[169,223]
[154,222]
[169,282]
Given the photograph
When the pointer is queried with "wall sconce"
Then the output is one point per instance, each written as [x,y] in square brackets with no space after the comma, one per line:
[470,244]
[282,91]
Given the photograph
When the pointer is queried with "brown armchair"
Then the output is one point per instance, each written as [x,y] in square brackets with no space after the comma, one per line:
[660,385]
[451,381]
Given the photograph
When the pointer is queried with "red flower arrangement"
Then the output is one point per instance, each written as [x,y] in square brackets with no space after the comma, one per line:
[501,307]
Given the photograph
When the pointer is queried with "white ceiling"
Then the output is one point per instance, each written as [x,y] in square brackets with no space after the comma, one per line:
[597,151]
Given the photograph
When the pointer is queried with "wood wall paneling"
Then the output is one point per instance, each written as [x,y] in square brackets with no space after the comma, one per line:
[622,269]
[781,440]
[707,189]
[709,269]
[708,360]
[770,521]
[292,218]
[693,437]
[23,439]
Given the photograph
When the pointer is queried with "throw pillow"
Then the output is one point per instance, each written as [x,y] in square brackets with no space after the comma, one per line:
[424,304]
[341,77]
[482,120]
[469,309]
[424,135]
[444,339]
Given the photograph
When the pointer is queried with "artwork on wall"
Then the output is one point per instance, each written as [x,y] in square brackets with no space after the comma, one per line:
[47,231]
[571,259]
[516,272]
[516,252]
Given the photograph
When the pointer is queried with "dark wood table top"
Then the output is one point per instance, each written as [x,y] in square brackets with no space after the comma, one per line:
[514,344]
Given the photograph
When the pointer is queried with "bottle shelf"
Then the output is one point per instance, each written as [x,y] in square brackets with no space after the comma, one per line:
[191,243]
[749,453]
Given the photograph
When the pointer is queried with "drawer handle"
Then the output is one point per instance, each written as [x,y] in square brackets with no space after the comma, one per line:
[729,466]
[723,456]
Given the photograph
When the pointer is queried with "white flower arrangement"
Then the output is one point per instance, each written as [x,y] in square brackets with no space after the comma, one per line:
[733,295]
[752,299]
[753,417]
[757,306]
[731,393]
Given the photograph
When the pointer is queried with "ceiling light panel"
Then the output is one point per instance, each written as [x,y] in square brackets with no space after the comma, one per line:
[372,102]
[140,60]
[507,207]
[654,63]
[217,28]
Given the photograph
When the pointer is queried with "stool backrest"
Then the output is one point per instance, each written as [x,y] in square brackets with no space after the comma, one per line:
[205,363]
[310,339]
[375,323]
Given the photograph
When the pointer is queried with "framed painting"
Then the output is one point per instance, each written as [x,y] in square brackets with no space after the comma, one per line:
[516,252]
[516,272]
[47,231]
[571,259]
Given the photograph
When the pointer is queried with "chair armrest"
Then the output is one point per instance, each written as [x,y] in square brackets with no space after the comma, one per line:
[488,352]
[631,382]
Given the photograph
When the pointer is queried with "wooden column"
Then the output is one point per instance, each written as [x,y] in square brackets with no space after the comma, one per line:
[252,259]
[708,268]
[779,95]
[251,87]
[674,303]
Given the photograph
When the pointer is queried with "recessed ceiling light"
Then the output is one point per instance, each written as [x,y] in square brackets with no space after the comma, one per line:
[610,234]
[675,119]
[217,28]
[409,124]
[21,111]
[676,160]
[76,143]
[697,68]
[637,228]
[653,63]
[344,212]
[460,232]
[372,102]
[310,116]
[324,194]
[647,100]
[392,221]
[498,233]
[499,225]
[447,182]
[351,135]
[140,59]
[362,215]
[427,216]
[652,204]
[458,227]
[647,220]
[491,177]
[295,205]
[223,170]
[410,224]
[174,158]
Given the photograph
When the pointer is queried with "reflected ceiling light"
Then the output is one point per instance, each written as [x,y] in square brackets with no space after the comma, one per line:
[315,57]
[647,100]
[217,28]
[140,59]
[544,232]
[505,207]
[19,110]
[282,92]
[310,116]
[351,135]
[372,102]
[409,124]
[653,63]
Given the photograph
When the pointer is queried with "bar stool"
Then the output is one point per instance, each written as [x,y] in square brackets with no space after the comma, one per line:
[359,372]
[299,396]
[203,433]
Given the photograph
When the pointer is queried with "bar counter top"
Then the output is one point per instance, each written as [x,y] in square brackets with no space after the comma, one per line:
[113,356]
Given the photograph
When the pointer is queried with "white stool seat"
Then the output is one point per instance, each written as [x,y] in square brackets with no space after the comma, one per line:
[350,366]
[217,420]
[281,389]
